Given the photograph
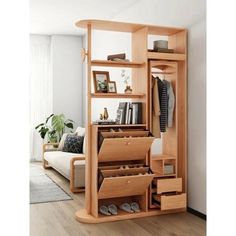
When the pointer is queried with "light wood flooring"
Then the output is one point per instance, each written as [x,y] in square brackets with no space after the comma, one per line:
[57,218]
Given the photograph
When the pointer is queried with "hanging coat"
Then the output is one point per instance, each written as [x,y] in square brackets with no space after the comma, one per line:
[162,90]
[155,109]
[171,103]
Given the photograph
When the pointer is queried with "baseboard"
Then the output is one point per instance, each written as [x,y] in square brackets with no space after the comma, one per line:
[196,213]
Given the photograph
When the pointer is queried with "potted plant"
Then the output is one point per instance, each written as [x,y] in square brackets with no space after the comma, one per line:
[54,127]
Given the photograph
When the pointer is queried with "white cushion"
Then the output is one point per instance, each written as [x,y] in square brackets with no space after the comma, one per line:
[80,131]
[61,162]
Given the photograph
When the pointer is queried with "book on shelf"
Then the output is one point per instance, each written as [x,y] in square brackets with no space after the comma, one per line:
[129,113]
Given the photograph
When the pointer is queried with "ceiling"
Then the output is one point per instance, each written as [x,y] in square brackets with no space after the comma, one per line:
[59,16]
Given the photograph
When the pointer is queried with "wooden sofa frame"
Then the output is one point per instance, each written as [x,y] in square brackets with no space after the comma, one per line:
[73,189]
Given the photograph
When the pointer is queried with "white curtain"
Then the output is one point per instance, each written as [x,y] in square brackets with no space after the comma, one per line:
[40,90]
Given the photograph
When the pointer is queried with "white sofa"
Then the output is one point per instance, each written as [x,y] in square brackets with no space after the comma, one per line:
[70,165]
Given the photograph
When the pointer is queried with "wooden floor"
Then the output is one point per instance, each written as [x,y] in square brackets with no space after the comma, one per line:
[57,218]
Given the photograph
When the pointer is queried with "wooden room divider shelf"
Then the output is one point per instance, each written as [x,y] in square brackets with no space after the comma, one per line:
[133,148]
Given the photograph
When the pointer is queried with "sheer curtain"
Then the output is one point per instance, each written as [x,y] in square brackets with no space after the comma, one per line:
[40,90]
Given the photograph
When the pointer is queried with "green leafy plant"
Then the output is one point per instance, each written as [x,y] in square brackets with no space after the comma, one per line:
[54,127]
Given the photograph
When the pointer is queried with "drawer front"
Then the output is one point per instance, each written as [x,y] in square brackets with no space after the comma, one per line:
[118,149]
[169,185]
[173,201]
[124,186]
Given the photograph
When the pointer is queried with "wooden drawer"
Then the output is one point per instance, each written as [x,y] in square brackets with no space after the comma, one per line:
[169,202]
[118,149]
[169,185]
[124,186]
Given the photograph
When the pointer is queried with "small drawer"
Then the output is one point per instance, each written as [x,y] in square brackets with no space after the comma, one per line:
[124,186]
[119,149]
[169,202]
[169,185]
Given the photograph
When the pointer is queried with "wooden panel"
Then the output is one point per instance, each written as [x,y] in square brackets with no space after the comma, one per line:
[140,75]
[117,95]
[94,172]
[130,64]
[179,43]
[173,201]
[118,149]
[124,134]
[126,27]
[169,185]
[124,186]
[166,56]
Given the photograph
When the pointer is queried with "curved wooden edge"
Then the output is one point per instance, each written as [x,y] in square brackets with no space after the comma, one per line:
[83,217]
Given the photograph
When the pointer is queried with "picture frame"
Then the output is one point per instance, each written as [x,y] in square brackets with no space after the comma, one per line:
[111,87]
[101,79]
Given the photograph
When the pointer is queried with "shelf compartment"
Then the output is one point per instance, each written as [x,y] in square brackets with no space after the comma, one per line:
[117,95]
[106,63]
[124,186]
[177,201]
[169,185]
[167,56]
[118,149]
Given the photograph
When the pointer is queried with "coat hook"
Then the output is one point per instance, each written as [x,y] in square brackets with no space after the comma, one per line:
[83,54]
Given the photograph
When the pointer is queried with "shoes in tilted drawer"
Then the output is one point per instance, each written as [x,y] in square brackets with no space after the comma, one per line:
[128,145]
[121,183]
[169,193]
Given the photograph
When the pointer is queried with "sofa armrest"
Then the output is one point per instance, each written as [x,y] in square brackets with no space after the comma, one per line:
[47,146]
[72,174]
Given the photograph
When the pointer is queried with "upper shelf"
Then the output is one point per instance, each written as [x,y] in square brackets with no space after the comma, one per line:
[116,63]
[167,56]
[126,27]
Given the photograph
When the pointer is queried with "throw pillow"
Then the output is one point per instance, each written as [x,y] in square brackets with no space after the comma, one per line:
[62,142]
[73,143]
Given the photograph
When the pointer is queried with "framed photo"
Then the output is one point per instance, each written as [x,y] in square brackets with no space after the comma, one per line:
[111,87]
[101,79]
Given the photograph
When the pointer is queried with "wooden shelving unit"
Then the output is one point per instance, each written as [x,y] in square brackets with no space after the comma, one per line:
[129,149]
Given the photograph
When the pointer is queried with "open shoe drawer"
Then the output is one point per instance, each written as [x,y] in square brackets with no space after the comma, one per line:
[124,185]
[130,148]
[169,185]
[176,201]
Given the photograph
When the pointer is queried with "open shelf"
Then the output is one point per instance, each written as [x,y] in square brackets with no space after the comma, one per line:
[117,95]
[117,63]
[167,56]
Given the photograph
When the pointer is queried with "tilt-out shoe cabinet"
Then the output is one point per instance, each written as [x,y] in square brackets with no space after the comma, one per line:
[155,191]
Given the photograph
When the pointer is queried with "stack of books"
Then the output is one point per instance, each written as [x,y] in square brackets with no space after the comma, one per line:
[129,113]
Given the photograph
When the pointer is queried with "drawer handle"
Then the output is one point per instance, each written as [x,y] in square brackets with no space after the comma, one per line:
[128,143]
[128,182]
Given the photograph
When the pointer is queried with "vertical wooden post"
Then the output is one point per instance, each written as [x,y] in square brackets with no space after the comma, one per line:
[88,127]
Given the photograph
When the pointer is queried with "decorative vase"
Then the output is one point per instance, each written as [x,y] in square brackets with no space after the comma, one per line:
[105,114]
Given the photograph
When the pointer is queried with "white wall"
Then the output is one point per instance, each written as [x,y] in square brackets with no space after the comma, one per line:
[191,15]
[67,76]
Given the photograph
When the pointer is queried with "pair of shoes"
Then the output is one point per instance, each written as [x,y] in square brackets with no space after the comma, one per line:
[130,208]
[108,210]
